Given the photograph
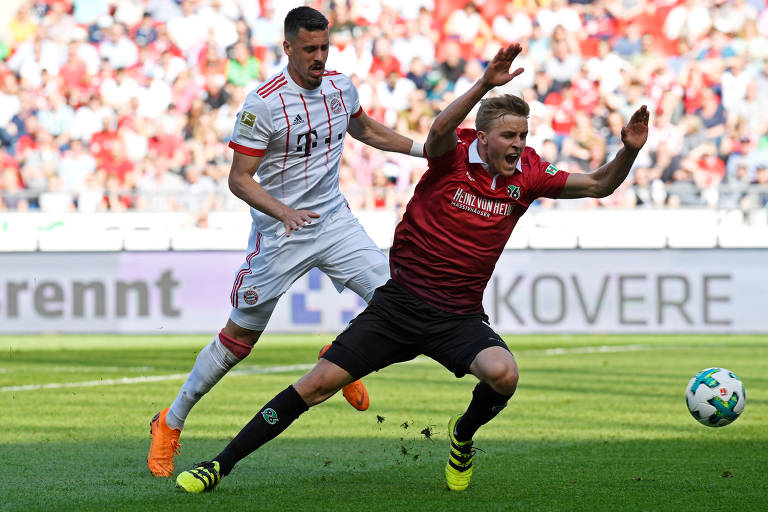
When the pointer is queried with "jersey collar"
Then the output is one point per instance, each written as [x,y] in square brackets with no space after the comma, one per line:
[301,89]
[474,157]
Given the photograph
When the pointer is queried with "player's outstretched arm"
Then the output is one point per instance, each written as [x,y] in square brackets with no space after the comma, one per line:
[242,184]
[607,178]
[442,134]
[369,131]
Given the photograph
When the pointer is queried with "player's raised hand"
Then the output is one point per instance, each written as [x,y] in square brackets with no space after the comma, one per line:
[497,73]
[635,133]
[294,220]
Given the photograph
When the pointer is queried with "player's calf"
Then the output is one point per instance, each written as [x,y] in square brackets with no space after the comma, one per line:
[355,392]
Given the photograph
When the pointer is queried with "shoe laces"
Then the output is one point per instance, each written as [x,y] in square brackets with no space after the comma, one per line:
[176,446]
[206,465]
[463,453]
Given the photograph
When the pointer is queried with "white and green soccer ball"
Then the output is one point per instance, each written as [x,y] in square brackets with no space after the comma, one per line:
[715,397]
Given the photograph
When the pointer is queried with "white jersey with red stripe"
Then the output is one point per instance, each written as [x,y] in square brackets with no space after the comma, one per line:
[299,133]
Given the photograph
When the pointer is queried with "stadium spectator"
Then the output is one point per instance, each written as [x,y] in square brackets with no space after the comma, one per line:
[449,70]
[118,48]
[22,26]
[761,180]
[267,29]
[691,19]
[468,26]
[383,61]
[55,199]
[562,65]
[146,33]
[559,14]
[75,166]
[413,45]
[11,192]
[730,17]
[243,68]
[57,117]
[712,115]
[513,23]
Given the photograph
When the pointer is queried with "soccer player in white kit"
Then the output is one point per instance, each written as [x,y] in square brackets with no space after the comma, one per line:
[290,132]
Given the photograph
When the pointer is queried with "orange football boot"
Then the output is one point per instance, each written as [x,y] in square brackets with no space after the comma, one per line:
[165,443]
[355,392]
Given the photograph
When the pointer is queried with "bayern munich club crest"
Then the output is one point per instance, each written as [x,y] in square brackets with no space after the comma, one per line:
[335,104]
[250,297]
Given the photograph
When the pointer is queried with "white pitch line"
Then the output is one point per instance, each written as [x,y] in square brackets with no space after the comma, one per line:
[148,378]
[558,351]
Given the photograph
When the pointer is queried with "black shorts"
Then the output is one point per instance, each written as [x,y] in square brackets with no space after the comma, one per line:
[397,327]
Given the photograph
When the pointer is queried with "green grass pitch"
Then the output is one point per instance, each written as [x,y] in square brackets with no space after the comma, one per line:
[598,423]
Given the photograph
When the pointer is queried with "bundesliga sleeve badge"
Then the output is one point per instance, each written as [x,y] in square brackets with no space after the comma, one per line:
[246,124]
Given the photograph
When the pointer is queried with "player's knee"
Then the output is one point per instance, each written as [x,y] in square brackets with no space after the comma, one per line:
[318,386]
[504,382]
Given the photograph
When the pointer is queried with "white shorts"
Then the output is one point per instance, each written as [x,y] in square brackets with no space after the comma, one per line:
[338,246]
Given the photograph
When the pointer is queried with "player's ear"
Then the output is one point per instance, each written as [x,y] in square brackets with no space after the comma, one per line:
[287,47]
[482,138]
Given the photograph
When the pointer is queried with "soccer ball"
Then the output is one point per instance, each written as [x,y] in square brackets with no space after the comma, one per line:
[715,397]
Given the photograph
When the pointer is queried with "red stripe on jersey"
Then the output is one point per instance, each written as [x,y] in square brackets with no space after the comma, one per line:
[273,88]
[309,139]
[269,83]
[343,103]
[246,150]
[330,129]
[331,73]
[287,143]
[359,112]
[233,297]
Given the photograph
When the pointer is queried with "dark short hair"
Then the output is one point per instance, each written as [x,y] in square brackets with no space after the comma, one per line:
[303,17]
[494,108]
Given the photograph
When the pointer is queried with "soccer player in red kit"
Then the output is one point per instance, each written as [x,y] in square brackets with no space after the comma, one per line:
[478,183]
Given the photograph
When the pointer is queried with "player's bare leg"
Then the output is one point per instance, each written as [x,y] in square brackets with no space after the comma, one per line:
[228,348]
[355,392]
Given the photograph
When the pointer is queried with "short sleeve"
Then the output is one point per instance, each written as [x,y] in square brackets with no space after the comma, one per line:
[352,99]
[253,127]
[547,180]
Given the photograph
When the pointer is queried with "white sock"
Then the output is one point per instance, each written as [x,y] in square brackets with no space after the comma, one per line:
[212,363]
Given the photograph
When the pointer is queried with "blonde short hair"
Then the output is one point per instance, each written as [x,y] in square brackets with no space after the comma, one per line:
[494,108]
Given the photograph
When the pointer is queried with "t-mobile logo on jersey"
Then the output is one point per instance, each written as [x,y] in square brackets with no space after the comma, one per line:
[480,205]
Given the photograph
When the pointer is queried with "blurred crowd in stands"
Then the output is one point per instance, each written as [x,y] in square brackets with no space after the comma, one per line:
[113,105]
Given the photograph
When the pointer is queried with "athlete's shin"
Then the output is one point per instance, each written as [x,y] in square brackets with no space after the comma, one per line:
[268,423]
[485,405]
[212,363]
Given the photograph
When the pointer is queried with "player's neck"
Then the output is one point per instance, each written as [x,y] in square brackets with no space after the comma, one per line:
[299,80]
[482,151]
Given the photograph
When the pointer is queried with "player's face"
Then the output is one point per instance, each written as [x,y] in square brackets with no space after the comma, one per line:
[306,57]
[502,145]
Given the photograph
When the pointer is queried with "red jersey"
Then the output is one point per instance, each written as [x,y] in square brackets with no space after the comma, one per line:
[459,220]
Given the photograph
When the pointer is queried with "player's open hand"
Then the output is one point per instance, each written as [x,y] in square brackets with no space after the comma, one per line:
[497,73]
[294,220]
[635,133]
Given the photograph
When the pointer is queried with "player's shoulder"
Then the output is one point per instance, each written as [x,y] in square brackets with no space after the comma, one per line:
[338,78]
[530,156]
[466,136]
[267,91]
[535,166]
